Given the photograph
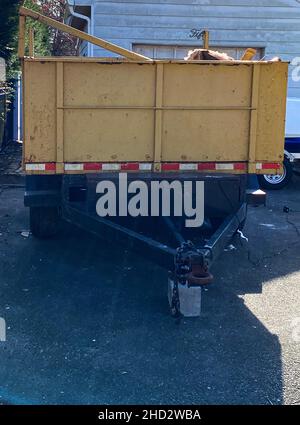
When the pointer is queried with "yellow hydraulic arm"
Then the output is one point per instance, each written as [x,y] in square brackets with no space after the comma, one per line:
[25,12]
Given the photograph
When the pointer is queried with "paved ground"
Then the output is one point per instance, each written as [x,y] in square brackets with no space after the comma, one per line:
[11,162]
[89,323]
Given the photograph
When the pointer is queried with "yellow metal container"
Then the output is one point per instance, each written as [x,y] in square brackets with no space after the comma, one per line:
[91,110]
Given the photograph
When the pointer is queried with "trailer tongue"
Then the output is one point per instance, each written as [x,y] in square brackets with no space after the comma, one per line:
[89,120]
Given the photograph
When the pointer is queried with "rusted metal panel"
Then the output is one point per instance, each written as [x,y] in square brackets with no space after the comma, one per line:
[39,107]
[271,112]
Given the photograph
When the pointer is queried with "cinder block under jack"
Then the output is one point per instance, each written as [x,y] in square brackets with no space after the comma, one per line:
[189,298]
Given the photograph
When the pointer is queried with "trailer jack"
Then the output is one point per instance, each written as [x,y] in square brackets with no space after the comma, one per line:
[190,275]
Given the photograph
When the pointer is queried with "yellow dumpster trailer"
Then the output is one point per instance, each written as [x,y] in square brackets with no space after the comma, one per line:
[93,120]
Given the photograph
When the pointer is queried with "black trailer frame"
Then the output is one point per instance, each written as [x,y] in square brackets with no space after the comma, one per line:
[69,191]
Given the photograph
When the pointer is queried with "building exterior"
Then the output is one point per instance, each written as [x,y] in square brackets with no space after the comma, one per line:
[169,28]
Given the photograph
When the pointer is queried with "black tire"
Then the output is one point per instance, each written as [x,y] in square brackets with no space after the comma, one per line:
[276,183]
[44,221]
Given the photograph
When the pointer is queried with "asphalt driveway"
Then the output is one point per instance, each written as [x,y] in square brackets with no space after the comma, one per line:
[88,322]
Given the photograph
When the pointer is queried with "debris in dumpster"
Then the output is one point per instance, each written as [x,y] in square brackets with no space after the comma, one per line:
[207,55]
[214,55]
[249,54]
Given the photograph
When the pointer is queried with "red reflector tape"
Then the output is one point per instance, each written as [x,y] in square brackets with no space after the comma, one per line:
[170,166]
[271,166]
[92,166]
[207,166]
[140,166]
[50,166]
[130,166]
[239,166]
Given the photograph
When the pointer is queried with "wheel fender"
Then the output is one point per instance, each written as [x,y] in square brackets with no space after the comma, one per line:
[289,156]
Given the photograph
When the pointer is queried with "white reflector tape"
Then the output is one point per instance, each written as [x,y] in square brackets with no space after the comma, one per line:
[224,166]
[259,166]
[145,167]
[188,167]
[111,167]
[35,167]
[74,167]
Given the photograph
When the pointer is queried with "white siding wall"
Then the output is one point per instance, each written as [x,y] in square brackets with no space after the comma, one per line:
[270,24]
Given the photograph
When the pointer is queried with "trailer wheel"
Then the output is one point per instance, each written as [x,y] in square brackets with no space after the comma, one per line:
[277,181]
[44,221]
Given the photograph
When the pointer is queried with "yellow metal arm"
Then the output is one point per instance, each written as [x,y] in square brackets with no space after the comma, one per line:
[25,12]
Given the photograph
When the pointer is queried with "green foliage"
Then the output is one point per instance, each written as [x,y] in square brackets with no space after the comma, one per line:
[41,32]
[9,23]
[8,31]
[9,26]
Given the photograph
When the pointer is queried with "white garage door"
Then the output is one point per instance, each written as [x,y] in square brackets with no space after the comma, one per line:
[179,52]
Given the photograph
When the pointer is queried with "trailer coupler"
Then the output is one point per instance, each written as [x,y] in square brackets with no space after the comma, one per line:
[191,266]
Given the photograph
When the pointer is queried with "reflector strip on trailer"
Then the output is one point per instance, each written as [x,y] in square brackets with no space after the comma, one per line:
[145,167]
[49,166]
[111,167]
[207,166]
[188,167]
[240,166]
[268,166]
[142,166]
[92,166]
[74,167]
[224,167]
[35,167]
[98,166]
[130,166]
[170,167]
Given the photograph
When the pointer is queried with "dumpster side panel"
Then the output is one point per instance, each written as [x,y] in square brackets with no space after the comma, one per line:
[205,136]
[272,112]
[108,112]
[39,112]
[210,119]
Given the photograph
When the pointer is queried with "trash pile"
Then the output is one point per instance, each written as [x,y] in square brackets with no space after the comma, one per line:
[207,55]
[214,55]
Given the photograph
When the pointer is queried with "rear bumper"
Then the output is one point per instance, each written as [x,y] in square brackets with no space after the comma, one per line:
[43,191]
[42,198]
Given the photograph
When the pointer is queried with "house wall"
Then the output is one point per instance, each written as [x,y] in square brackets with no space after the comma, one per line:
[271,25]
